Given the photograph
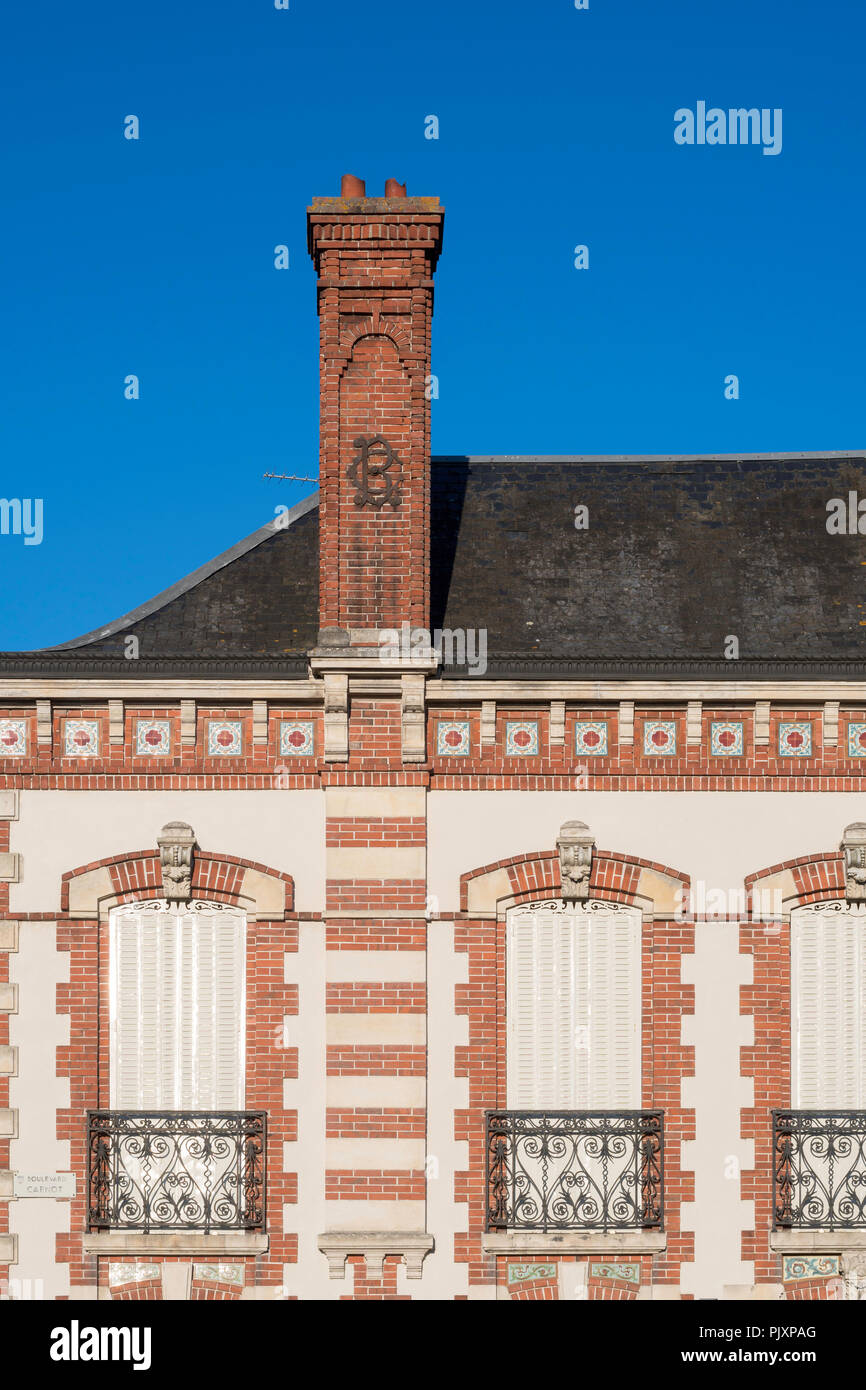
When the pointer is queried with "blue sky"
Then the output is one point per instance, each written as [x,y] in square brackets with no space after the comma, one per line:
[156,257]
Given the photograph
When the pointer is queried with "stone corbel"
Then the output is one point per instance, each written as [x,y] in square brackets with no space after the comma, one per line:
[176,841]
[575,843]
[375,1246]
[853,849]
[413,719]
[336,716]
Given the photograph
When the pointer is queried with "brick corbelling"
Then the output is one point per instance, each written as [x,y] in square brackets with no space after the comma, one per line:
[353,997]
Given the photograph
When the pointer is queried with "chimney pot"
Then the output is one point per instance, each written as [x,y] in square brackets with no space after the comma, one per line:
[393,189]
[350,187]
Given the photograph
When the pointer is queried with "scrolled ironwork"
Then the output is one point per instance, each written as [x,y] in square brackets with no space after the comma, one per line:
[173,1170]
[819,1169]
[574,1170]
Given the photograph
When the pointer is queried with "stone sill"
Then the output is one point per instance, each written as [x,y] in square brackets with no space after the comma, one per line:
[174,1243]
[817,1242]
[574,1243]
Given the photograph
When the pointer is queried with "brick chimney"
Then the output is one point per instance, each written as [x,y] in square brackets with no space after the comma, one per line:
[375,259]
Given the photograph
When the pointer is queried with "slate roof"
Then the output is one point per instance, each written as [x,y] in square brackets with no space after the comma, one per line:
[680,554]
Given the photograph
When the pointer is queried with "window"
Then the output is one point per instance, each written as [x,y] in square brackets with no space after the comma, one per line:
[828,986]
[177,1007]
[573,991]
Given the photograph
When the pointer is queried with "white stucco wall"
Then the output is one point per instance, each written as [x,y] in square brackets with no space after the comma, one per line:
[58,830]
[716,837]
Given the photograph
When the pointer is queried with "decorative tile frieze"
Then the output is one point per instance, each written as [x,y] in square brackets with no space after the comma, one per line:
[795,739]
[152,737]
[628,1273]
[225,738]
[796,1267]
[297,738]
[131,1273]
[590,738]
[857,740]
[220,1274]
[521,738]
[659,737]
[13,738]
[726,738]
[81,738]
[524,1272]
[452,738]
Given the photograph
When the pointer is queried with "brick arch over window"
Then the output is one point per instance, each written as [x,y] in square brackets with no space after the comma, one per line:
[266,896]
[93,889]
[480,931]
[813,878]
[654,888]
[397,334]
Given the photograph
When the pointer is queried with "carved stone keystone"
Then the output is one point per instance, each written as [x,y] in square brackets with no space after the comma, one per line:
[575,844]
[176,841]
[853,848]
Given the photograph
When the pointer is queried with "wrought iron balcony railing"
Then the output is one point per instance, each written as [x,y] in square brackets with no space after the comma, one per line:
[819,1169]
[574,1170]
[166,1170]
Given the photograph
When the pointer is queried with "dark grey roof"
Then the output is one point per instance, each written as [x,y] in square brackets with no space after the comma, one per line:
[680,554]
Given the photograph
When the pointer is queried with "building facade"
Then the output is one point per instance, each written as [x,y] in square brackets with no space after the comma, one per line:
[457,890]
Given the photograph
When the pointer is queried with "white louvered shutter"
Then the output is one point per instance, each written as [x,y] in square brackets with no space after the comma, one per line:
[177,1010]
[614,1011]
[573,1009]
[829,1018]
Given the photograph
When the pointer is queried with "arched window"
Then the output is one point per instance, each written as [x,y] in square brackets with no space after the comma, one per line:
[177,989]
[828,986]
[573,991]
